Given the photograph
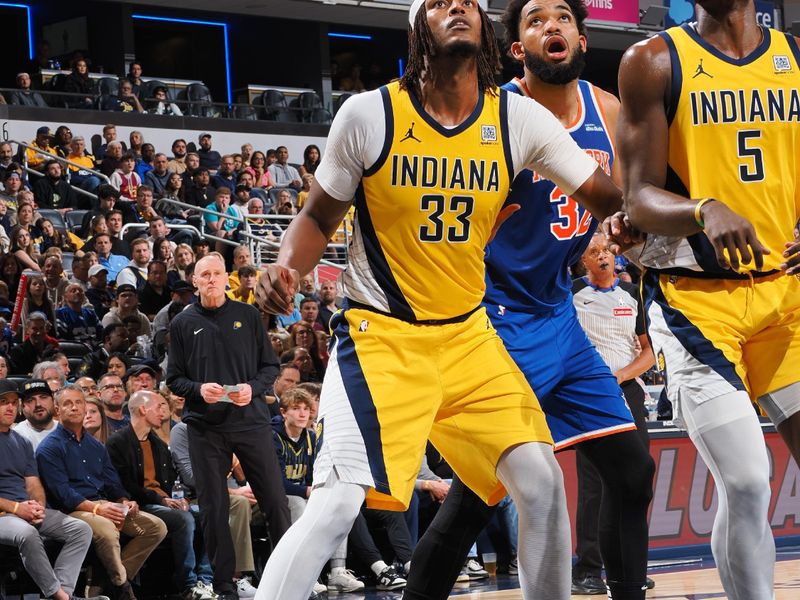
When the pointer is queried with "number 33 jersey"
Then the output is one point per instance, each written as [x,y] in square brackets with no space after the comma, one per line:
[734,135]
[427,196]
[527,263]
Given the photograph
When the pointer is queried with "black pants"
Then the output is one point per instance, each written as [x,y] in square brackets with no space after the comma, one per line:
[590,492]
[362,544]
[627,473]
[211,454]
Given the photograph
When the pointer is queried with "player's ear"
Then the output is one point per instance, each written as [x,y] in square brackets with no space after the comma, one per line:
[582,42]
[517,52]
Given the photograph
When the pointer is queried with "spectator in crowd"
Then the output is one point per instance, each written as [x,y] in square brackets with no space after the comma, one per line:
[181,294]
[99,295]
[23,250]
[302,196]
[127,306]
[162,250]
[192,164]
[37,300]
[53,238]
[246,154]
[62,140]
[237,164]
[88,386]
[145,159]
[78,82]
[155,294]
[311,158]
[113,263]
[113,397]
[97,225]
[141,377]
[54,280]
[173,190]
[242,358]
[112,159]
[125,179]
[35,159]
[6,158]
[25,96]
[114,221]
[10,272]
[76,322]
[12,184]
[271,157]
[51,191]
[134,76]
[184,256]
[117,364]
[177,164]
[95,420]
[288,377]
[81,175]
[162,105]
[145,468]
[157,177]
[109,135]
[114,339]
[240,199]
[258,169]
[225,176]
[241,258]
[284,205]
[35,346]
[284,174]
[218,226]
[210,159]
[309,311]
[200,193]
[39,412]
[80,272]
[53,371]
[125,100]
[201,248]
[245,178]
[159,229]
[245,292]
[259,226]
[80,480]
[327,304]
[135,273]
[25,521]
[142,210]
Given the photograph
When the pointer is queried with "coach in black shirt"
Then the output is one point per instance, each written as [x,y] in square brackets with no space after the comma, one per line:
[216,344]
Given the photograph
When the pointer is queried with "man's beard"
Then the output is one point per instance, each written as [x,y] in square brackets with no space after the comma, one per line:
[557,73]
[40,421]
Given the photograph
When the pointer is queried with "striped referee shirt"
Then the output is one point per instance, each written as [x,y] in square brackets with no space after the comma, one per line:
[613,319]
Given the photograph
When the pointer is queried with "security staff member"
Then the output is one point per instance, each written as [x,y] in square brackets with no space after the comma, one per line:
[219,360]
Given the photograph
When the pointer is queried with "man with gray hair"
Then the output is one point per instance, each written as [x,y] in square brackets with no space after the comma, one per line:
[80,479]
[144,464]
[25,96]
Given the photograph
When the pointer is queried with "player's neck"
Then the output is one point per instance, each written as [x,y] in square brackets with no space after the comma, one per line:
[561,100]
[734,32]
[449,91]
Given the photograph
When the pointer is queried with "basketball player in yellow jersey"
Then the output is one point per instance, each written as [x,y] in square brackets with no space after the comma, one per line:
[709,134]
[429,161]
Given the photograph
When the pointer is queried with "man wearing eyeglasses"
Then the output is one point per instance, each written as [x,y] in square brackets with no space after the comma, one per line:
[113,396]
[39,409]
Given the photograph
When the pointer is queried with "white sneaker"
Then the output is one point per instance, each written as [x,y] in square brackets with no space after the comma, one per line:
[319,588]
[244,588]
[463,577]
[203,591]
[475,570]
[344,581]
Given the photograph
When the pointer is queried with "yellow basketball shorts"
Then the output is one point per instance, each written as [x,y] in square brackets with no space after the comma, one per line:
[716,336]
[391,385]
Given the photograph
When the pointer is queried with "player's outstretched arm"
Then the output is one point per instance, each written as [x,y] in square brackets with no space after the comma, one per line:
[643,145]
[303,245]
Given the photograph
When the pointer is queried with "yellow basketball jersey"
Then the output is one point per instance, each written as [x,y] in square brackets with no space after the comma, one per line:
[734,135]
[425,209]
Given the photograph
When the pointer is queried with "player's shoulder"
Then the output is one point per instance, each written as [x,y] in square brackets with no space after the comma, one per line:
[653,51]
[607,100]
[358,106]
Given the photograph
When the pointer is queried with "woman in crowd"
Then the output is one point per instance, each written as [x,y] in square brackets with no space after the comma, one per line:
[162,250]
[135,76]
[117,364]
[258,169]
[79,82]
[184,256]
[26,218]
[22,247]
[136,140]
[95,420]
[3,367]
[302,336]
[97,226]
[53,238]
[10,273]
[311,158]
[36,299]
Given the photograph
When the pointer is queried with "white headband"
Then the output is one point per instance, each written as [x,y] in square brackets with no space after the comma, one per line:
[412,12]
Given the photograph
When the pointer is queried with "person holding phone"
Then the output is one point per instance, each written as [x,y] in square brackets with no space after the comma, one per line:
[220,360]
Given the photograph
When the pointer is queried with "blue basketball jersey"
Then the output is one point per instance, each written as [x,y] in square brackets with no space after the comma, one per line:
[527,262]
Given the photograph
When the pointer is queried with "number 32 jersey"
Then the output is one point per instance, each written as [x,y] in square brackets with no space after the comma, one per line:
[427,196]
[527,263]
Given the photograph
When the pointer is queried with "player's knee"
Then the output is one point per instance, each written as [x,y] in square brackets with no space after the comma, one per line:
[748,490]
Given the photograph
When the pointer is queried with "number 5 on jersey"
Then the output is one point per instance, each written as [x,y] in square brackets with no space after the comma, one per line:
[570,223]
[436,205]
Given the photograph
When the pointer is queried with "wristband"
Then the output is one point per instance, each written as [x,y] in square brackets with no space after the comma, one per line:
[697,216]
[16,506]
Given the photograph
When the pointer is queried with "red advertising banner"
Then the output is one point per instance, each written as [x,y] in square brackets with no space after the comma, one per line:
[685,500]
[615,11]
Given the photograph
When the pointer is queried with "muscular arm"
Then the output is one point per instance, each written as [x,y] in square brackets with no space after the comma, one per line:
[599,195]
[643,142]
[640,364]
[35,489]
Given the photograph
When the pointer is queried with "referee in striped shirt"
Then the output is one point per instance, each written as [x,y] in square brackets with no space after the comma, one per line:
[611,313]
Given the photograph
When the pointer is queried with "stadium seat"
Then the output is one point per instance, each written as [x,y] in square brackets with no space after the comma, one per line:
[148,88]
[320,115]
[305,104]
[74,218]
[263,195]
[73,349]
[245,113]
[55,217]
[106,102]
[108,86]
[200,103]
[273,102]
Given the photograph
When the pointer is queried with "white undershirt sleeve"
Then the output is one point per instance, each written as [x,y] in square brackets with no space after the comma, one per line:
[539,142]
[354,144]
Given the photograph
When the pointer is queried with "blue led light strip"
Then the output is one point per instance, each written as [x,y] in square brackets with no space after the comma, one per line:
[30,24]
[351,36]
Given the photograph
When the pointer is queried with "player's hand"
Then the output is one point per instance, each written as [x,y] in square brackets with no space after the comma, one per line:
[792,255]
[243,396]
[728,231]
[276,288]
[212,392]
[502,217]
[622,236]
[438,490]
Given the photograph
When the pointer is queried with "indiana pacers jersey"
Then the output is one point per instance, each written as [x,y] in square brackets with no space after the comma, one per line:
[734,135]
[425,211]
[527,262]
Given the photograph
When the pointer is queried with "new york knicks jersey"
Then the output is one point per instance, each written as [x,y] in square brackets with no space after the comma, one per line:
[734,135]
[527,262]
